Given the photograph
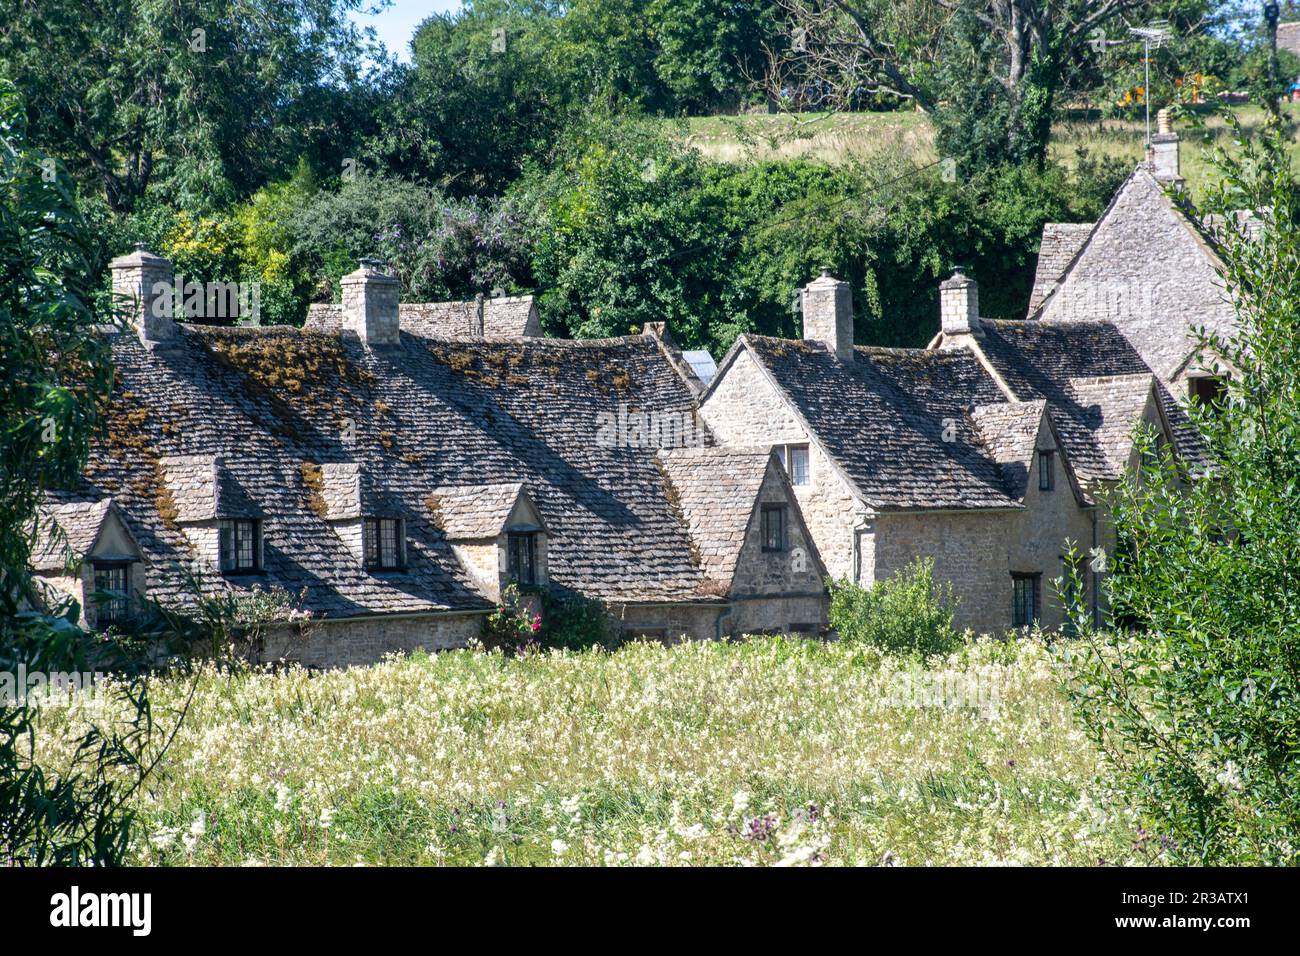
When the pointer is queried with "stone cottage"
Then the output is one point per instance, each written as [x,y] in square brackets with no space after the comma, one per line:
[900,453]
[1147,268]
[398,478]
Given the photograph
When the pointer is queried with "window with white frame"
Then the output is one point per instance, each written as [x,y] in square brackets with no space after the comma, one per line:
[795,458]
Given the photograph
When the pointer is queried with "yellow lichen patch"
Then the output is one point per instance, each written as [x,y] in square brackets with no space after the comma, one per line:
[162,497]
[314,479]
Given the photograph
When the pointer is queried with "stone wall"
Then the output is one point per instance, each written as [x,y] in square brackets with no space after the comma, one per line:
[745,410]
[702,622]
[979,550]
[357,641]
[1147,271]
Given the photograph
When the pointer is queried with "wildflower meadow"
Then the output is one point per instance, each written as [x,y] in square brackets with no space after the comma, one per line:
[758,752]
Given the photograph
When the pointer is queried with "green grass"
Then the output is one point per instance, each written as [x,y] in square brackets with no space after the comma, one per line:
[761,752]
[864,137]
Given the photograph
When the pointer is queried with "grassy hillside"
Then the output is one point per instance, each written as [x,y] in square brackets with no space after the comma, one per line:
[761,752]
[864,136]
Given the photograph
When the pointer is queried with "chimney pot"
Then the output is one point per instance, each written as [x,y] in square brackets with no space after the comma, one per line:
[827,305]
[371,303]
[1163,152]
[959,305]
[143,287]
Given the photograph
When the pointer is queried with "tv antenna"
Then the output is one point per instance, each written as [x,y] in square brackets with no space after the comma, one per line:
[1153,37]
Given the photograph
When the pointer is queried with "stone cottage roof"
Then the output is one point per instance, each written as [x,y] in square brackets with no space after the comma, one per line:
[1010,433]
[475,512]
[1060,242]
[1064,363]
[715,490]
[295,420]
[1115,405]
[886,416]
[502,317]
[1147,268]
[67,531]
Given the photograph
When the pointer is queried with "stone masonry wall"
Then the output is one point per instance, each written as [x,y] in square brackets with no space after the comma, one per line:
[979,550]
[358,641]
[746,411]
[1147,272]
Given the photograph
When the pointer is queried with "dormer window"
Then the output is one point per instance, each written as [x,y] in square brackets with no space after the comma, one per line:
[112,578]
[521,557]
[1206,390]
[384,544]
[1046,476]
[240,546]
[773,527]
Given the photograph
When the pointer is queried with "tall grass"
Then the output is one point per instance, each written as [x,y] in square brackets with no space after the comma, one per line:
[766,751]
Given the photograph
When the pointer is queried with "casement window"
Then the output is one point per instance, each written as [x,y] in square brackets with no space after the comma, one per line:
[1206,390]
[795,458]
[112,578]
[384,544]
[521,557]
[1046,471]
[1026,597]
[240,546]
[773,527]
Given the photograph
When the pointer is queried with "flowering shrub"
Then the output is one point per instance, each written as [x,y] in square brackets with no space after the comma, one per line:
[772,751]
[512,628]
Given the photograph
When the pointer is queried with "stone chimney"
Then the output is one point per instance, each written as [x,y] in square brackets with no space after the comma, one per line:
[959,305]
[1164,150]
[827,305]
[142,288]
[370,304]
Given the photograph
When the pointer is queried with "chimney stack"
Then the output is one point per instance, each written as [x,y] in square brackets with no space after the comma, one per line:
[370,304]
[1164,150]
[959,305]
[142,287]
[827,305]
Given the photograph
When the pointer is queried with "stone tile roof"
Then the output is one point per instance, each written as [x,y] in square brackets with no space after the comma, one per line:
[475,512]
[884,418]
[715,490]
[1061,242]
[289,412]
[1056,361]
[496,318]
[1010,433]
[1115,405]
[66,531]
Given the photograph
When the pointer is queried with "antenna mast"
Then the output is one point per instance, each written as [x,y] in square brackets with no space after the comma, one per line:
[1152,37]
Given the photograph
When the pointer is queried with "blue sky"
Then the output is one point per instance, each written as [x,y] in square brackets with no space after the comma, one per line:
[396,25]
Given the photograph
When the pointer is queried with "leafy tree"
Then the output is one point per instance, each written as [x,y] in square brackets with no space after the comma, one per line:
[1198,710]
[990,73]
[484,92]
[709,52]
[208,99]
[441,247]
[55,376]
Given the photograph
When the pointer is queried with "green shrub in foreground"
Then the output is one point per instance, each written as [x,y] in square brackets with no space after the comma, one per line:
[907,613]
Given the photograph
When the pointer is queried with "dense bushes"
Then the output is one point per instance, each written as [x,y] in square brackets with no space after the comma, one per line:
[906,614]
[1198,714]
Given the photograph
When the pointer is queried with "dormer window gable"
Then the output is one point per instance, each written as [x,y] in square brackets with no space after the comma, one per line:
[497,532]
[86,551]
[369,521]
[212,508]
